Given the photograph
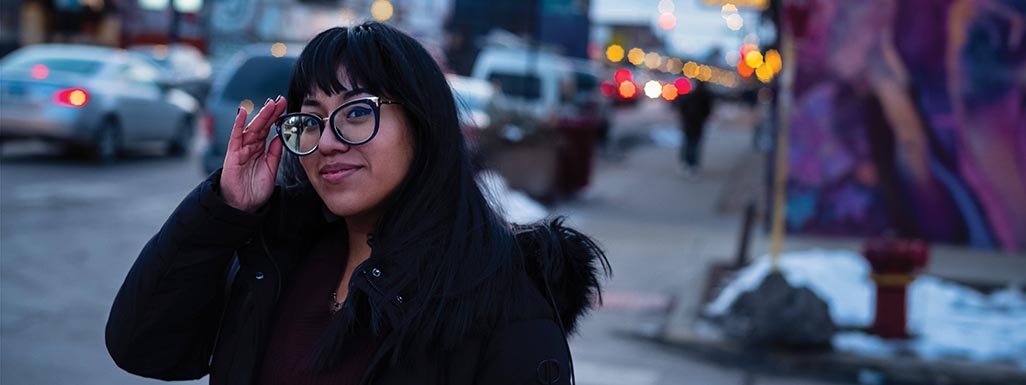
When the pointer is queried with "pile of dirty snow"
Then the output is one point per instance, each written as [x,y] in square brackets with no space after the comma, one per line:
[514,205]
[945,319]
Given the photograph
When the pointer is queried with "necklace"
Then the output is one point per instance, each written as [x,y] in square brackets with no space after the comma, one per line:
[335,304]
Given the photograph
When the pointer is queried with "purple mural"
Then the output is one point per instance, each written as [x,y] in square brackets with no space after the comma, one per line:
[909,118]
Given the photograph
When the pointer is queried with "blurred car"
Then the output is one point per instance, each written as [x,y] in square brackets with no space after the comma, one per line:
[93,97]
[593,109]
[185,64]
[252,75]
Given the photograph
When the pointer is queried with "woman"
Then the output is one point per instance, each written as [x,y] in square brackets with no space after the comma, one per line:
[380,262]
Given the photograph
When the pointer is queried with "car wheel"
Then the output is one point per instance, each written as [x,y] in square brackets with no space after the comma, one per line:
[107,142]
[183,136]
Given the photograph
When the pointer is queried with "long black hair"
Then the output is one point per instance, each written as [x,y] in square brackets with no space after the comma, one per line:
[461,253]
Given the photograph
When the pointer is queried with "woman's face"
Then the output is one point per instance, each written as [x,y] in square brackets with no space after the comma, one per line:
[354,180]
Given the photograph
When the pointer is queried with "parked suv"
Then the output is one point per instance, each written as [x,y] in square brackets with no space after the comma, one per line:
[253,74]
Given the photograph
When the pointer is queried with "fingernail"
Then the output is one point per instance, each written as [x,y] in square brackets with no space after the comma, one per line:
[268,101]
[278,99]
[239,111]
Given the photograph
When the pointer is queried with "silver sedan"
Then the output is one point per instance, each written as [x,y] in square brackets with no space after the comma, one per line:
[93,97]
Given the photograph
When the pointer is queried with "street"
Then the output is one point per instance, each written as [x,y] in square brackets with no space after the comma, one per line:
[71,229]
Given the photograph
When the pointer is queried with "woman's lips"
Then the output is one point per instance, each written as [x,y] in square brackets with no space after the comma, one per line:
[337,174]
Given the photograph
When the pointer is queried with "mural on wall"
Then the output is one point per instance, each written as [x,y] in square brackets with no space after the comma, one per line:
[909,119]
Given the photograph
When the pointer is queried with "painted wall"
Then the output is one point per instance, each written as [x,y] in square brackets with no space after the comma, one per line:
[909,118]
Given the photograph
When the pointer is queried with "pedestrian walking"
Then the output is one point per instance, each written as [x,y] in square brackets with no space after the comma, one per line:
[694,108]
[379,262]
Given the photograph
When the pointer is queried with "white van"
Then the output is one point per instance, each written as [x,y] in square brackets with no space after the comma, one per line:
[530,79]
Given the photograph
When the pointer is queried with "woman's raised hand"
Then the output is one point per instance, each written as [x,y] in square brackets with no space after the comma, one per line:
[247,179]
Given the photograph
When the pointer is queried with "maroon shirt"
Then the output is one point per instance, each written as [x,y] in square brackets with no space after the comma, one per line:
[302,316]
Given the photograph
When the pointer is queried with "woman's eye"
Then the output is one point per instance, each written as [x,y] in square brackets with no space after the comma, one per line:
[358,112]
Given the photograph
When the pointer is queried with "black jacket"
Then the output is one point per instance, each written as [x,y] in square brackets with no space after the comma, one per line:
[188,308]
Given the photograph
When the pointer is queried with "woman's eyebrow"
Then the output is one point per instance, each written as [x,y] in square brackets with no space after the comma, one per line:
[354,92]
[311,103]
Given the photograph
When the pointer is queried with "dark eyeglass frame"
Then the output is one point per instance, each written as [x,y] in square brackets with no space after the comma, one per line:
[373,101]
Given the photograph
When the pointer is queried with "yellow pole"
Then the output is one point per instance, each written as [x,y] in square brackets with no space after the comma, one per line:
[783,136]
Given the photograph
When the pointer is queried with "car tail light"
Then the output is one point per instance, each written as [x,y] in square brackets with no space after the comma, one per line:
[71,97]
[208,125]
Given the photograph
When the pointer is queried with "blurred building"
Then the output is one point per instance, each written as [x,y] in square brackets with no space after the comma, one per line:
[101,22]
[559,24]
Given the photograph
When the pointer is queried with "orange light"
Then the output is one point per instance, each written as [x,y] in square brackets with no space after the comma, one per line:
[628,89]
[764,73]
[72,97]
[39,71]
[669,92]
[614,53]
[743,69]
[774,61]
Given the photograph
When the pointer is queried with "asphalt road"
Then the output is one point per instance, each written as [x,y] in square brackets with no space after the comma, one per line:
[69,231]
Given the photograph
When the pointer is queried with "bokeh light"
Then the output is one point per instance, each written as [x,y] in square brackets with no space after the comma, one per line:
[764,73]
[40,71]
[774,61]
[743,69]
[653,89]
[247,105]
[728,9]
[622,75]
[667,21]
[669,92]
[731,58]
[628,89]
[653,60]
[381,10]
[77,98]
[735,22]
[607,88]
[666,6]
[674,66]
[704,73]
[279,49]
[691,69]
[636,56]
[160,52]
[683,85]
[614,53]
[753,59]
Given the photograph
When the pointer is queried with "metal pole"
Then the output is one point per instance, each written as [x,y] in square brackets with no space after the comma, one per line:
[783,135]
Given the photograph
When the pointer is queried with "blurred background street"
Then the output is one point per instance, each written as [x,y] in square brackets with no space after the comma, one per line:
[871,153]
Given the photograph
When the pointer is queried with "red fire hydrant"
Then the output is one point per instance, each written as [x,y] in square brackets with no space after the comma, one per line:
[894,263]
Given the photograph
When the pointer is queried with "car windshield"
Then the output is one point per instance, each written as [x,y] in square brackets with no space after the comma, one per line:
[259,78]
[523,86]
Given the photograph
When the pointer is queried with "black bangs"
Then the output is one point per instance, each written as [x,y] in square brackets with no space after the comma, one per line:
[352,50]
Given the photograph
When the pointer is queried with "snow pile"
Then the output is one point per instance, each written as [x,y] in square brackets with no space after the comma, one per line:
[515,206]
[946,319]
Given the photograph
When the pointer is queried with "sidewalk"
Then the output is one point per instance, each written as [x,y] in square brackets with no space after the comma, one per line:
[662,232]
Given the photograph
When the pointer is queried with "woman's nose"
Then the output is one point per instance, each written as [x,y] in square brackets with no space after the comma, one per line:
[329,143]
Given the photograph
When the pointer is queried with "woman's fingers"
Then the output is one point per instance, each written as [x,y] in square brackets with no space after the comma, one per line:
[274,154]
[235,139]
[260,126]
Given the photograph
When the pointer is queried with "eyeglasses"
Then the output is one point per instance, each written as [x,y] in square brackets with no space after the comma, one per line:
[354,122]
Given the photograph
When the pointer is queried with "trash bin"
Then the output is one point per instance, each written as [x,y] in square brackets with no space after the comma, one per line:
[577,146]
